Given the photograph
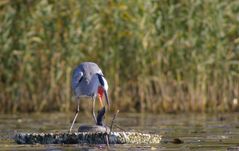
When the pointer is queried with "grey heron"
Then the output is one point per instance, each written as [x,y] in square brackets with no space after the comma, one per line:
[88,81]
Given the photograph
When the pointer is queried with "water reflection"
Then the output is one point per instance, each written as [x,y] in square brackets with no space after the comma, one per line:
[198,131]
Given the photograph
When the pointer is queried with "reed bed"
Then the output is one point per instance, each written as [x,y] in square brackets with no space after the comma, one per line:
[158,55]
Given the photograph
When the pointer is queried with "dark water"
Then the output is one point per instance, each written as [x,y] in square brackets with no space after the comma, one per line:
[197,131]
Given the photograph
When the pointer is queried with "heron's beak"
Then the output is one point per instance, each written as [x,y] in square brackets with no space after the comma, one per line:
[100,99]
[106,98]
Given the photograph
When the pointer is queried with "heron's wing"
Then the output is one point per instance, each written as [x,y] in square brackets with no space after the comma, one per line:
[89,69]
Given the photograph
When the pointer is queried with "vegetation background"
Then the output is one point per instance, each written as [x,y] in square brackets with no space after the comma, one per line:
[158,55]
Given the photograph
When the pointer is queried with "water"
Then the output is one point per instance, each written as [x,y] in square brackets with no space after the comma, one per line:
[197,131]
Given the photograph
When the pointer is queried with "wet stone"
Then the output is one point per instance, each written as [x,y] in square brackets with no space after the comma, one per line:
[87,138]
[94,129]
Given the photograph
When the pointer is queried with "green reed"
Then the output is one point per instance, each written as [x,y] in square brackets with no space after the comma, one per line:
[158,55]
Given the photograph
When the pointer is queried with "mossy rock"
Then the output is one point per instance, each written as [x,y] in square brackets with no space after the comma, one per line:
[87,138]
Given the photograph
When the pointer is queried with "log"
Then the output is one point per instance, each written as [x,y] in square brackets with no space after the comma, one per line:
[87,138]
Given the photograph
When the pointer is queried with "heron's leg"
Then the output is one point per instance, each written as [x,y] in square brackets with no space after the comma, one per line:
[77,111]
[93,109]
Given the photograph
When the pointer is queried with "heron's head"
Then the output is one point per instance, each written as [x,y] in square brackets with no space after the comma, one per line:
[102,89]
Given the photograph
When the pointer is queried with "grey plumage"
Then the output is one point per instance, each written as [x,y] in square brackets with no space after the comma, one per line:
[85,80]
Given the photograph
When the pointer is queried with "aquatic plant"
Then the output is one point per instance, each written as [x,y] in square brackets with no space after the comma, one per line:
[158,55]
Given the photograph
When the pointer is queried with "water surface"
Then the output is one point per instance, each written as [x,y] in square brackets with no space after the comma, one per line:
[197,131]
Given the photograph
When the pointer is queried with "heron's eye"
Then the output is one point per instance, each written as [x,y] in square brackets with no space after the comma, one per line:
[101,79]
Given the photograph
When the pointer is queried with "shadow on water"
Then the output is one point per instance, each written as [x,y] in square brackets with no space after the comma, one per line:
[196,131]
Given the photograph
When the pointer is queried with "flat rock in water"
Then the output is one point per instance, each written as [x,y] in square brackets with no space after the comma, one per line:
[94,129]
[87,138]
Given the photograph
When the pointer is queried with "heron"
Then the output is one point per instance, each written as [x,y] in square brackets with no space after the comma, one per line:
[88,81]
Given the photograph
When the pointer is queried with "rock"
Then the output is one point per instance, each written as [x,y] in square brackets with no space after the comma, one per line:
[177,141]
[94,129]
[87,138]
